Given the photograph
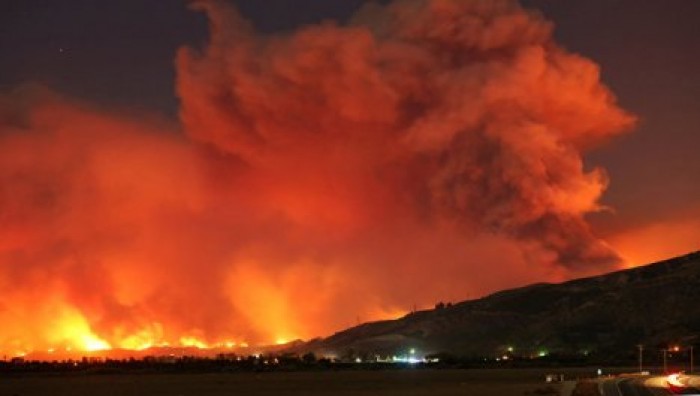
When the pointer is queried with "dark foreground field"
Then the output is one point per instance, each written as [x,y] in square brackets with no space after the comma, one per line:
[393,382]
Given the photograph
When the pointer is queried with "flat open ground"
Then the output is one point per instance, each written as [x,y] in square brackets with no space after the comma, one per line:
[391,382]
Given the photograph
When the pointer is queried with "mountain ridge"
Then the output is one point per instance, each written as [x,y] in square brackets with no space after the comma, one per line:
[651,304]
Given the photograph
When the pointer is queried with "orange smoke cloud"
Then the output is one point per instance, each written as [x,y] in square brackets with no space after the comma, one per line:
[467,108]
[427,150]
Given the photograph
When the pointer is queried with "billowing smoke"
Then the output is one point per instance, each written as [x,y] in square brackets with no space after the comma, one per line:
[467,108]
[425,150]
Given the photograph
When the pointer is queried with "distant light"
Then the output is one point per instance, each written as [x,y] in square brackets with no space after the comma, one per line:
[542,354]
[413,351]
[358,360]
[510,349]
[407,359]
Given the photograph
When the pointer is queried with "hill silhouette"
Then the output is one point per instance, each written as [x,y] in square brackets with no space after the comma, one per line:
[655,305]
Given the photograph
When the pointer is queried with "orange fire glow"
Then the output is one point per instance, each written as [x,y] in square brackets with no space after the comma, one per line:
[334,174]
[659,240]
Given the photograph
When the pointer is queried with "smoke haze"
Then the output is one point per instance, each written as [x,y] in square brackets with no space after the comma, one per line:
[426,150]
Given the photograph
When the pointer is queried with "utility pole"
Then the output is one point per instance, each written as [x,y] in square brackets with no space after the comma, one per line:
[664,354]
[691,359]
[641,349]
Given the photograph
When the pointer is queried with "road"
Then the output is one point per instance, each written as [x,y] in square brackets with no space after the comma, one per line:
[645,386]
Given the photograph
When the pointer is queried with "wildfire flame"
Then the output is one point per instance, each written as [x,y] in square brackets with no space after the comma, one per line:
[314,179]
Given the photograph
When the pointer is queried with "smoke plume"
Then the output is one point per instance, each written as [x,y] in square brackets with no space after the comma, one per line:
[425,150]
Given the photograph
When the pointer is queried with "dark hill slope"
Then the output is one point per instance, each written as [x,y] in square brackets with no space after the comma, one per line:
[654,304]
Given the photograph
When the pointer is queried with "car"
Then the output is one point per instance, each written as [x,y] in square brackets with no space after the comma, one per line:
[676,382]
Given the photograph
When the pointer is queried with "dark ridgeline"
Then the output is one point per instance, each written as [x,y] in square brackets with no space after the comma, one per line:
[596,319]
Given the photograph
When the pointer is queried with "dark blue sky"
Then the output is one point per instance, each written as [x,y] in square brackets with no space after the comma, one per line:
[120,53]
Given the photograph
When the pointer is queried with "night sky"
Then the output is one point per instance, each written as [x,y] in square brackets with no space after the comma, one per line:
[120,58]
